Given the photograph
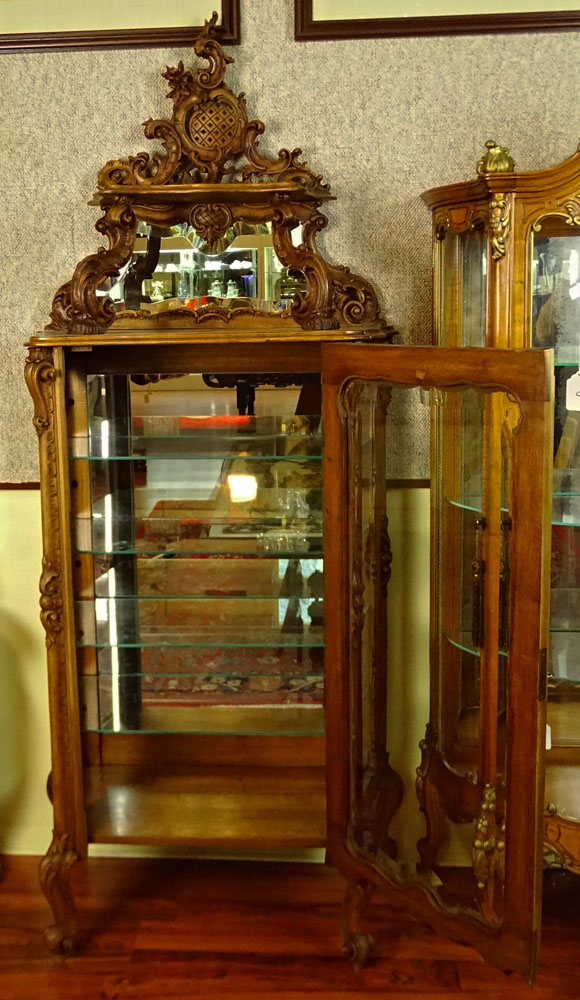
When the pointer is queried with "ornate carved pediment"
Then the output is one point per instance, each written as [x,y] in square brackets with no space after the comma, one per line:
[207,135]
[211,176]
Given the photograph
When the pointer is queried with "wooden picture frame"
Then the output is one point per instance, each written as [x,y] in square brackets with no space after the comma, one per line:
[228,32]
[307,28]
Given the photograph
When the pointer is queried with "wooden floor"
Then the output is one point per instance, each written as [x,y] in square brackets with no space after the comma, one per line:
[181,929]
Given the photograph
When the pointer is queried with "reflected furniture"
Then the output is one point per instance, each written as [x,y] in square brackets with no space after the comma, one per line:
[507,274]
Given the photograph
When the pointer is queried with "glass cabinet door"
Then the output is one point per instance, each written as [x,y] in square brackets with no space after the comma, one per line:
[451,566]
[555,319]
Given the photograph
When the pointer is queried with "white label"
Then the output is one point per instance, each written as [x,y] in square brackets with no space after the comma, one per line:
[574,292]
[548,737]
[573,392]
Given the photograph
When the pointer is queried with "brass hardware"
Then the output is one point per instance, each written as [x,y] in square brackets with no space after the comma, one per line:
[478,568]
[484,843]
[499,225]
[496,160]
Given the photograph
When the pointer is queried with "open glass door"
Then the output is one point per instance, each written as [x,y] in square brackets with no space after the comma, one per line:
[451,563]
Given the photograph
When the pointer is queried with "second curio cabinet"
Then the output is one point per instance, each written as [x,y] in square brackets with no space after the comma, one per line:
[507,274]
[238,476]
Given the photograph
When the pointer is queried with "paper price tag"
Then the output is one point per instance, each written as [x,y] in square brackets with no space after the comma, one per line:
[573,392]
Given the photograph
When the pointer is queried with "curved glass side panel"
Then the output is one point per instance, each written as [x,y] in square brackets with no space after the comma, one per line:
[462,284]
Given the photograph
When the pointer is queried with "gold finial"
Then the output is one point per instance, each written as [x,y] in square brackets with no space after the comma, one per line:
[496,160]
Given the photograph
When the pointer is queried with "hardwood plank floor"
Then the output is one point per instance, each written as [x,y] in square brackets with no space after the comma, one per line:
[177,930]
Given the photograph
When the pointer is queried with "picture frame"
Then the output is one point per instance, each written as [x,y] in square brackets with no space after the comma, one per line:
[309,28]
[108,34]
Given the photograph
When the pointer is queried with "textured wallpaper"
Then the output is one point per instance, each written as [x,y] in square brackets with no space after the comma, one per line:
[381,120]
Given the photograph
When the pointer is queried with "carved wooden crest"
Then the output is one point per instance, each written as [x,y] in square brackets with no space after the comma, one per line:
[211,175]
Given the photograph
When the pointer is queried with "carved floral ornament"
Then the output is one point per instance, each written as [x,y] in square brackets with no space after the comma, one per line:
[211,174]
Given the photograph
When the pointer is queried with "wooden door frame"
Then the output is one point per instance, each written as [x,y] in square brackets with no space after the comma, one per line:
[527,377]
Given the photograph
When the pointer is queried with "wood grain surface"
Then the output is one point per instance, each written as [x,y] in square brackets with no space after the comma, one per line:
[176,929]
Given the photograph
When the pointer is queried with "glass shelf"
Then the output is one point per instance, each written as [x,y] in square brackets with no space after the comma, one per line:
[160,675]
[217,637]
[218,537]
[216,596]
[245,432]
[463,641]
[139,454]
[567,357]
[557,672]
[565,507]
[170,552]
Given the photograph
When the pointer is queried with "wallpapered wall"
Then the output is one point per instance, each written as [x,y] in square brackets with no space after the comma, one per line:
[381,120]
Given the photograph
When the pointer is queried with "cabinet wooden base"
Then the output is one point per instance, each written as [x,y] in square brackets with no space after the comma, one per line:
[221,807]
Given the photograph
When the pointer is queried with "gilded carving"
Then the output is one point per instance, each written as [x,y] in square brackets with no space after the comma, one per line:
[499,225]
[572,210]
[484,842]
[496,159]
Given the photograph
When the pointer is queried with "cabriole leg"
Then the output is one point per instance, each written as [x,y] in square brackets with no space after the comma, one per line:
[61,936]
[356,945]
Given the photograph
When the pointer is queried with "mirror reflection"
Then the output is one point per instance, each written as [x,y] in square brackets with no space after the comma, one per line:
[172,267]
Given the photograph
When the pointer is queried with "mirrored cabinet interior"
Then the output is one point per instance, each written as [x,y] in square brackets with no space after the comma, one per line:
[245,489]
[507,274]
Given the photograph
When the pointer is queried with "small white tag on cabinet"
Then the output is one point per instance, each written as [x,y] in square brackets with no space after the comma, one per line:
[573,392]
[548,737]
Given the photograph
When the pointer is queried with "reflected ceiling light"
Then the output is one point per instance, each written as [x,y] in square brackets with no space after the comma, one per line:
[242,488]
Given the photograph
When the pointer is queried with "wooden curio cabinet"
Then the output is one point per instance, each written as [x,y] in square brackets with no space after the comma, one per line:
[507,274]
[230,535]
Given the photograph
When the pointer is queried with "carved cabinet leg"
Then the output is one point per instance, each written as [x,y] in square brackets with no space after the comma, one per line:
[356,945]
[61,936]
[437,828]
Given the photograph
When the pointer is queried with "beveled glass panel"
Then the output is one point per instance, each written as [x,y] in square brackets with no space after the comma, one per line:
[198,535]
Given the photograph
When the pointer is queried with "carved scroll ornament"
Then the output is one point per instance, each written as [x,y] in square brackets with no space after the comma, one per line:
[200,178]
[499,224]
[208,132]
[50,601]
[572,209]
[334,297]
[40,373]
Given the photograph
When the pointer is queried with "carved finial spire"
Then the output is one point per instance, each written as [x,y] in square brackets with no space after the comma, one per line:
[496,160]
